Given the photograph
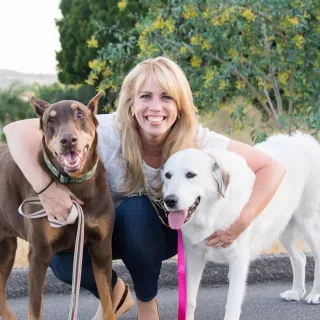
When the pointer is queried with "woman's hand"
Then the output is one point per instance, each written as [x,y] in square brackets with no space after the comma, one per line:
[56,201]
[224,238]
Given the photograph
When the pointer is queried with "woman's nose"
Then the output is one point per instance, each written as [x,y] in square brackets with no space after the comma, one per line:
[155,105]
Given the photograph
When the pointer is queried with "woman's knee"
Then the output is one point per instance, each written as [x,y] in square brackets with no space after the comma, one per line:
[138,232]
[61,265]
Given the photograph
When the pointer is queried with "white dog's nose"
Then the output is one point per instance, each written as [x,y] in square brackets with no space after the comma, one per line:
[171,201]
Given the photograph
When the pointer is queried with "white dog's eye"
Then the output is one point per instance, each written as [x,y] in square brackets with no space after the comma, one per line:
[168,175]
[190,175]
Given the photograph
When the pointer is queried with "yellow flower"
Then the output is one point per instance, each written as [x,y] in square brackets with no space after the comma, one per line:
[242,59]
[122,5]
[232,52]
[196,40]
[283,77]
[183,50]
[189,12]
[209,12]
[240,85]
[196,62]
[222,19]
[107,72]
[206,13]
[298,40]
[205,44]
[208,77]
[93,42]
[222,84]
[92,79]
[249,15]
[294,21]
[169,25]
[166,26]
[261,83]
[158,23]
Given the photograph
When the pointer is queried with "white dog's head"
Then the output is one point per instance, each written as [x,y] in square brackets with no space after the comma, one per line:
[190,178]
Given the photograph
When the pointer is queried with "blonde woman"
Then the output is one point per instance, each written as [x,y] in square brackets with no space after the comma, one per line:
[155,118]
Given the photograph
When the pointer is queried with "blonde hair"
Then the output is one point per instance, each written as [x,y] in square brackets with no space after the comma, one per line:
[172,80]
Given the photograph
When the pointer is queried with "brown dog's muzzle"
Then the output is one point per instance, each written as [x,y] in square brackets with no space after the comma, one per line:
[68,140]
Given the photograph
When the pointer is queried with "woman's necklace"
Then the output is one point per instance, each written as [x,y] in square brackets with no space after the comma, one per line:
[154,201]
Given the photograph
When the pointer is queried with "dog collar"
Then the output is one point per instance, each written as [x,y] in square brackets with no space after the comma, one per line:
[65,179]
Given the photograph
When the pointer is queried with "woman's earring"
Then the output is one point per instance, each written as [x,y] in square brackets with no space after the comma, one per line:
[133,115]
[178,117]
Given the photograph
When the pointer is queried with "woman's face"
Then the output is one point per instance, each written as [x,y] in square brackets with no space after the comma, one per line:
[154,110]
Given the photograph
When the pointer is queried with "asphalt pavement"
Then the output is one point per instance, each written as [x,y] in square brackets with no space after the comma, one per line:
[262,303]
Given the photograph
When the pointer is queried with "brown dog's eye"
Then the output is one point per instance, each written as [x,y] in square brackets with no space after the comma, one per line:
[51,120]
[80,115]
[168,175]
[190,175]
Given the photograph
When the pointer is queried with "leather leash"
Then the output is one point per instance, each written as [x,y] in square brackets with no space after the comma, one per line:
[76,212]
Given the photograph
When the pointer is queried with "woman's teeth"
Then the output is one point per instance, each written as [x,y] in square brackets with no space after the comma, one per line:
[155,119]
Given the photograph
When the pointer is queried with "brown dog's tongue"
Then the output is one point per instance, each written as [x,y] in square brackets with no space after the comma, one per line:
[71,157]
[176,218]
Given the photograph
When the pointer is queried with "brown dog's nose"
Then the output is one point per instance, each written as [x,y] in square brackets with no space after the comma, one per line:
[68,140]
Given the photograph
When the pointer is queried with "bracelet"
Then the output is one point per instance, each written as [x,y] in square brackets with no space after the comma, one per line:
[52,180]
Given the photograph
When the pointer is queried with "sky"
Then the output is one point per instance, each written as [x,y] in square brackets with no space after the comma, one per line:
[29,37]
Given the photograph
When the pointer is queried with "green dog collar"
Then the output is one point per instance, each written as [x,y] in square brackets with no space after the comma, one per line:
[65,179]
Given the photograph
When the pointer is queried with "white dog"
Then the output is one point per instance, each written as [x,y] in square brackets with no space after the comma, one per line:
[205,192]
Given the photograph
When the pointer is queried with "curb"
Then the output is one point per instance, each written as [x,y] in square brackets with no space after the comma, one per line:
[265,268]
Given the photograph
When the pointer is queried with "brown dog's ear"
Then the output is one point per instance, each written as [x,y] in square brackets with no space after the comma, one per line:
[93,103]
[39,106]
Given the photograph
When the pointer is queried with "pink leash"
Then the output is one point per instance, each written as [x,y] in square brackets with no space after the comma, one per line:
[182,285]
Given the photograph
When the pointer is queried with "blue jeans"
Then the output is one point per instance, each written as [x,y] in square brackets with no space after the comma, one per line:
[139,239]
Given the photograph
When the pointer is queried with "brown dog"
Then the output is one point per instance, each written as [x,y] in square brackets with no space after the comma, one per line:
[70,145]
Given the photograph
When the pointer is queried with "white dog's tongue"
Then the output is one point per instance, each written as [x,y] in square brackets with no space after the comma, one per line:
[176,218]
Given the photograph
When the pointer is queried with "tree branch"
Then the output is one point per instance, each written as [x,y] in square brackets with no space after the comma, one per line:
[272,109]
[250,87]
[271,69]
[291,98]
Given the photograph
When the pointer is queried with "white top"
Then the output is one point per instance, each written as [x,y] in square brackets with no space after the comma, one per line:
[110,151]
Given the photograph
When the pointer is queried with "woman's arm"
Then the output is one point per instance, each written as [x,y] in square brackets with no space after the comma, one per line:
[269,174]
[24,141]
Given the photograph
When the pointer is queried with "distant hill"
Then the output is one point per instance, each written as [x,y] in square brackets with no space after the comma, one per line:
[8,77]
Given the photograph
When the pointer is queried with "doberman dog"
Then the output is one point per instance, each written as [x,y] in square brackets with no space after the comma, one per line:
[69,147]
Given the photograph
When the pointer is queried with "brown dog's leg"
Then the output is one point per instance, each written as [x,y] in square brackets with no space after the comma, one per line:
[39,259]
[101,256]
[8,248]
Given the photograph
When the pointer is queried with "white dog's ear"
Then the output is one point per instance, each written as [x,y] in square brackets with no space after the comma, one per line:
[221,177]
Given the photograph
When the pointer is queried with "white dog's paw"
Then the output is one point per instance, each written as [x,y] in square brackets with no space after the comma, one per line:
[313,298]
[293,295]
[232,315]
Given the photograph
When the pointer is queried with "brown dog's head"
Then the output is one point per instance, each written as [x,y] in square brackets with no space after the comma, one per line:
[69,130]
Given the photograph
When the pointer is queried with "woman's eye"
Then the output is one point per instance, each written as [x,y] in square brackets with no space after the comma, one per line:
[80,115]
[145,96]
[167,98]
[190,175]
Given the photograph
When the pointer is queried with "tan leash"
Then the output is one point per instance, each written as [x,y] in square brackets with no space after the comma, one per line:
[76,212]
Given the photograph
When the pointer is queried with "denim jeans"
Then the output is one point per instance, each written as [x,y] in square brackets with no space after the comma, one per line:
[139,239]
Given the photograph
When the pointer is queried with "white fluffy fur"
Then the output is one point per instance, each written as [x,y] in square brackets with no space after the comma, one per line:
[293,211]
